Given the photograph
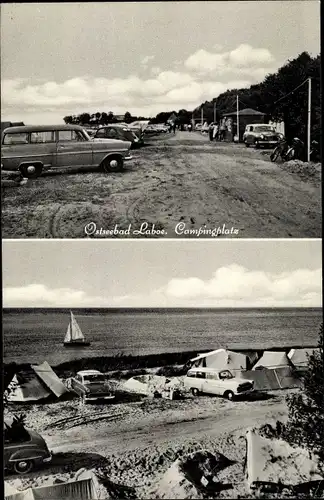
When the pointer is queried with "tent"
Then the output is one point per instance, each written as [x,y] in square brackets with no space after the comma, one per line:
[221,359]
[275,462]
[272,359]
[273,379]
[84,486]
[299,357]
[81,489]
[50,379]
[35,383]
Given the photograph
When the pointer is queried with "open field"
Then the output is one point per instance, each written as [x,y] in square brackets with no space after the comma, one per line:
[136,441]
[181,179]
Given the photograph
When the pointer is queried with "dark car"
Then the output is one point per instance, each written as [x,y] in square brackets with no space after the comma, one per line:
[261,134]
[119,132]
[24,450]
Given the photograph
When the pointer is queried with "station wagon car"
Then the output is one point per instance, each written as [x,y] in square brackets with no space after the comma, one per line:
[219,382]
[91,385]
[25,451]
[33,149]
[261,134]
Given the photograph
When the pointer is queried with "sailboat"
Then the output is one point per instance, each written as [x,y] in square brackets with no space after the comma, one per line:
[74,336]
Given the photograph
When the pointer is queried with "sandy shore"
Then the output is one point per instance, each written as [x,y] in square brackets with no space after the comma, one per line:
[138,438]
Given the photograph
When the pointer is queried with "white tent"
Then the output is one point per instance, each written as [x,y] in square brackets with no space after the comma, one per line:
[36,383]
[299,357]
[272,360]
[221,359]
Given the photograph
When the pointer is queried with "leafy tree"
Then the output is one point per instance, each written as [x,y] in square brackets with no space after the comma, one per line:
[128,117]
[84,119]
[68,119]
[305,425]
[103,118]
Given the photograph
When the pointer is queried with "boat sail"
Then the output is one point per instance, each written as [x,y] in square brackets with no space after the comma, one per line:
[74,336]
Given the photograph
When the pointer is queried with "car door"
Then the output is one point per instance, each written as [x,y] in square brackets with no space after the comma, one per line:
[15,148]
[43,146]
[201,381]
[73,149]
[249,137]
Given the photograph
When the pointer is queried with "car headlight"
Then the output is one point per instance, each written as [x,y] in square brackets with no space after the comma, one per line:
[280,136]
[261,136]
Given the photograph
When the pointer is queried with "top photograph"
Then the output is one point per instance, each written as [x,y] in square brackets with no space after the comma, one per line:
[161,120]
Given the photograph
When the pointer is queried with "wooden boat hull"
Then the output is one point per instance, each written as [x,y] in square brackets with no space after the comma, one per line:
[76,344]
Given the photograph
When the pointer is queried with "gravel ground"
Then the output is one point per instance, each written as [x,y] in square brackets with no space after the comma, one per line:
[182,179]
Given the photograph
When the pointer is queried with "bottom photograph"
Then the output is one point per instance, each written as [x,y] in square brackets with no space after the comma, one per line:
[174,369]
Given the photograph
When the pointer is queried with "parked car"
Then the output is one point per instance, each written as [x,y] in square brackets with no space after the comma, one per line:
[219,382]
[261,134]
[91,385]
[34,149]
[24,451]
[139,127]
[120,132]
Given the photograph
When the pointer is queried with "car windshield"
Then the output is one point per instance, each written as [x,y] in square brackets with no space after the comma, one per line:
[264,128]
[94,379]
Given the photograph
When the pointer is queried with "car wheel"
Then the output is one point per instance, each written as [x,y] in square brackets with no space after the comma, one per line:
[229,395]
[23,466]
[113,164]
[195,391]
[256,143]
[31,171]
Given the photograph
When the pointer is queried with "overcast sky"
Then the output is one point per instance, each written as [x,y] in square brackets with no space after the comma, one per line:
[66,58]
[147,273]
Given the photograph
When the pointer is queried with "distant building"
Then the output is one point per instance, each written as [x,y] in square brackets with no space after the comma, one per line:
[246,116]
[5,125]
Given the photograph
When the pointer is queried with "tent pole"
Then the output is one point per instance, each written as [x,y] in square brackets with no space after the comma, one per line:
[237,119]
[309,118]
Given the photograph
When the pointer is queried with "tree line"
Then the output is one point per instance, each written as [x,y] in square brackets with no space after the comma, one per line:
[274,97]
[100,118]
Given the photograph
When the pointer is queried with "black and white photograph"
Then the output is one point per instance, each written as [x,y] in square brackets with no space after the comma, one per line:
[182,369]
[197,120]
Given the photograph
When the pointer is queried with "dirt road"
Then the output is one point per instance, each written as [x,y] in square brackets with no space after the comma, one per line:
[176,186]
[173,430]
[143,438]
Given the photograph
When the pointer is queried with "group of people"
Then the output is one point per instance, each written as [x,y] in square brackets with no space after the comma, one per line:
[217,132]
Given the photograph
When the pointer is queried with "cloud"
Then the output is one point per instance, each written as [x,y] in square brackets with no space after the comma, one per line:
[203,76]
[242,59]
[231,286]
[38,295]
[165,90]
[237,284]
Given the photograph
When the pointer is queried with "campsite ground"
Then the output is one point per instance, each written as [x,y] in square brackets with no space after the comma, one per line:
[135,440]
[174,179]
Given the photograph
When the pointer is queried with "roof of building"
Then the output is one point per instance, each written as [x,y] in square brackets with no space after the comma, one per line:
[245,112]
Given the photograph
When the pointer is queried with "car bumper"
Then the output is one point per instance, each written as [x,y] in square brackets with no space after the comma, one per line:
[48,459]
[128,158]
[263,142]
[99,398]
[245,393]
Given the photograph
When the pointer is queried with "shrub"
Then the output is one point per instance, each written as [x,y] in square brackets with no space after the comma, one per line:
[305,425]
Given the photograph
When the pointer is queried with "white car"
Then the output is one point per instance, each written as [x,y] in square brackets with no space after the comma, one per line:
[219,382]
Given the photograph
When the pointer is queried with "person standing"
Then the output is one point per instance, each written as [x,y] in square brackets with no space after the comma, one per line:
[215,132]
[210,131]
